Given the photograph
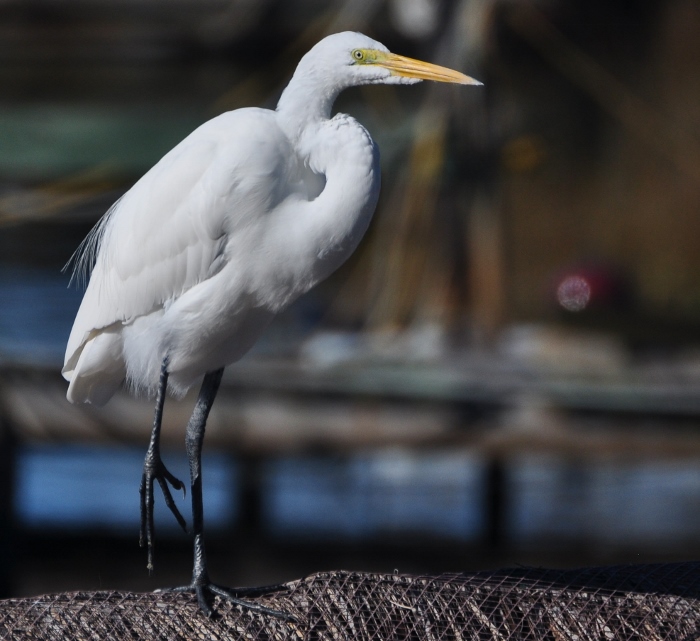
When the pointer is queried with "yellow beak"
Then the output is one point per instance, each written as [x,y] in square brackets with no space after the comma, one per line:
[410,68]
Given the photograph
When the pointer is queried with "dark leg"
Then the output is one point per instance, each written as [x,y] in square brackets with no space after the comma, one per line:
[154,470]
[200,576]
[194,440]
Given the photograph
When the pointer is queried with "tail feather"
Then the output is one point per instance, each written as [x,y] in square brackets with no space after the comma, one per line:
[99,370]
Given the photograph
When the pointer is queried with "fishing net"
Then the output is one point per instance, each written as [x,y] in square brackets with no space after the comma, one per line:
[646,602]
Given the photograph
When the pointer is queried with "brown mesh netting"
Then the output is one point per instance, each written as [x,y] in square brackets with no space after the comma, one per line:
[614,603]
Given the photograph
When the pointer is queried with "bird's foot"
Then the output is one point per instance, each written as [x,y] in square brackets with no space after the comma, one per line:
[155,470]
[204,590]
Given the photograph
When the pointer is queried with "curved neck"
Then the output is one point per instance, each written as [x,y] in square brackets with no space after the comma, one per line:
[306,99]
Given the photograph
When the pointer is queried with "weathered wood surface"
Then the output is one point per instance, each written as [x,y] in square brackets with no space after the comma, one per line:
[651,602]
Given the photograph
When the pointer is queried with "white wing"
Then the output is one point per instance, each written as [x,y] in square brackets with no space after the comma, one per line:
[169,232]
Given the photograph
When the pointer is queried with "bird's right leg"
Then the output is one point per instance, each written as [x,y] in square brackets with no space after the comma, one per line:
[155,470]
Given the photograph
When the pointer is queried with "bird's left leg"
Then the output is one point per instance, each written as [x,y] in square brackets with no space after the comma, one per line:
[155,470]
[200,575]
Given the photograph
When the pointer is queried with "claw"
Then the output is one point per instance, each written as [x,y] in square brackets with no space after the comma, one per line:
[171,504]
[155,470]
[203,605]
[232,595]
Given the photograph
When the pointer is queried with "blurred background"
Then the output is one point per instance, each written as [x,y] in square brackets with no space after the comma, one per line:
[506,372]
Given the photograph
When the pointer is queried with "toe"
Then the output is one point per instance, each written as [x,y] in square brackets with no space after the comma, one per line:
[202,601]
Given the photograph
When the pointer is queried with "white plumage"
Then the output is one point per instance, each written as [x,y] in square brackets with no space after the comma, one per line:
[221,234]
[248,212]
[225,231]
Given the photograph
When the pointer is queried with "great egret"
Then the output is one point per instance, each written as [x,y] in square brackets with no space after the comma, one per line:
[247,213]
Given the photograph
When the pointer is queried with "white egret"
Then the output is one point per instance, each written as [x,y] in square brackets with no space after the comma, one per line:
[247,213]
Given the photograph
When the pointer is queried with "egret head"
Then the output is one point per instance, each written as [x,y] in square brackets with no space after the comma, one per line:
[349,59]
[345,60]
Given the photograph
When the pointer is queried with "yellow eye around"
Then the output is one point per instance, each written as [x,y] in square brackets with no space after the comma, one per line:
[359,55]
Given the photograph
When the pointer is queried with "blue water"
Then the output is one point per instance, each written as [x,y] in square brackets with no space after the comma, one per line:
[384,493]
[97,487]
[88,487]
[387,492]
[608,501]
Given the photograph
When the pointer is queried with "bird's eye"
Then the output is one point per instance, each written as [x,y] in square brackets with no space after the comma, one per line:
[359,55]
